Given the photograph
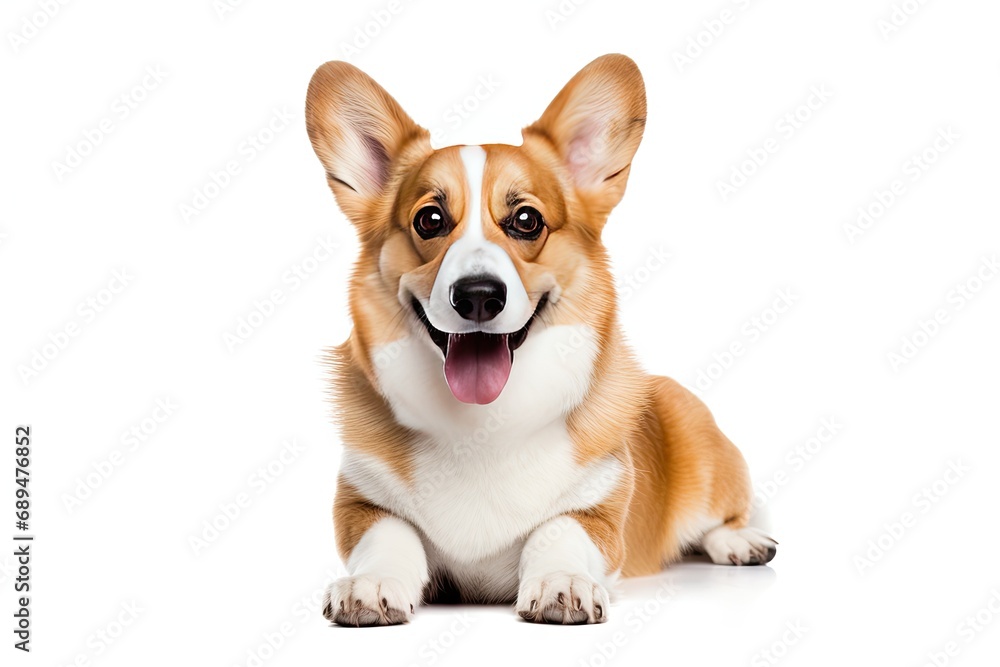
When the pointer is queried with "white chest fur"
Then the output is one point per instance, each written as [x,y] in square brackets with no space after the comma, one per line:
[484,476]
[550,375]
[473,500]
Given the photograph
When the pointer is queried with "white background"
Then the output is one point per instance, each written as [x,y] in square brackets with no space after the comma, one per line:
[190,282]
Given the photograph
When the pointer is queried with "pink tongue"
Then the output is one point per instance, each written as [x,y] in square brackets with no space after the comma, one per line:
[477,366]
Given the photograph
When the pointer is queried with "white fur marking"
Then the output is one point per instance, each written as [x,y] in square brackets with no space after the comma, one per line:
[743,546]
[473,255]
[550,376]
[475,497]
[689,531]
[388,563]
[474,159]
[561,566]
[561,545]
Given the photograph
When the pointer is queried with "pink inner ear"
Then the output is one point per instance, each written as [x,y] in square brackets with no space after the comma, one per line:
[587,153]
[378,160]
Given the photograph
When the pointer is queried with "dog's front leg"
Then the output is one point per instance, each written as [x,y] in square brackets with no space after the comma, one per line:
[564,576]
[388,572]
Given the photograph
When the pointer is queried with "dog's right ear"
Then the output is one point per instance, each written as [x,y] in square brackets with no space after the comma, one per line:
[358,132]
[595,124]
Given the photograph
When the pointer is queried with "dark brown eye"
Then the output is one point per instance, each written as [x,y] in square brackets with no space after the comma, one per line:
[526,223]
[430,222]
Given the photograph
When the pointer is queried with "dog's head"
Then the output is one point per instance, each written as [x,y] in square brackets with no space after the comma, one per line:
[476,247]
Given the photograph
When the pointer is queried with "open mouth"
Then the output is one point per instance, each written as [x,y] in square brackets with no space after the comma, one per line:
[477,364]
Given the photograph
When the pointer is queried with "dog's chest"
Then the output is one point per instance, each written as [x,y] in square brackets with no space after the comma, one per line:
[473,499]
[480,478]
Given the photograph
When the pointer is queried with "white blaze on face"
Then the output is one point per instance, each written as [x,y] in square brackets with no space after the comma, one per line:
[473,255]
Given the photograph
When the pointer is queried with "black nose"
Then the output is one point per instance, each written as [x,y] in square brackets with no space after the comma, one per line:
[479,299]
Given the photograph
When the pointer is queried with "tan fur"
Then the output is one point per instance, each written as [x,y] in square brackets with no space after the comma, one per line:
[679,466]
[365,419]
[353,515]
[685,467]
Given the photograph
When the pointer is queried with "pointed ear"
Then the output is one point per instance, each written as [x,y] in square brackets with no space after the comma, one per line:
[596,124]
[358,132]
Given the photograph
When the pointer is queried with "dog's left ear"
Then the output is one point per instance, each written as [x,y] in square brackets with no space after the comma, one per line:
[359,133]
[596,124]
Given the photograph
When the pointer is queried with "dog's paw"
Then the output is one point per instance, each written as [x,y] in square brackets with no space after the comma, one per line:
[742,546]
[562,597]
[368,600]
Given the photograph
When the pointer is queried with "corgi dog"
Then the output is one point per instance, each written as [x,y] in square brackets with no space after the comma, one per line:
[501,442]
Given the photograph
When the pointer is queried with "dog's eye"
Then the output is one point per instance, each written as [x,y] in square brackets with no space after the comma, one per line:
[526,223]
[430,222]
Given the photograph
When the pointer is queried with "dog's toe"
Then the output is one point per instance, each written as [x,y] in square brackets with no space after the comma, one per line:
[366,601]
[740,546]
[563,599]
